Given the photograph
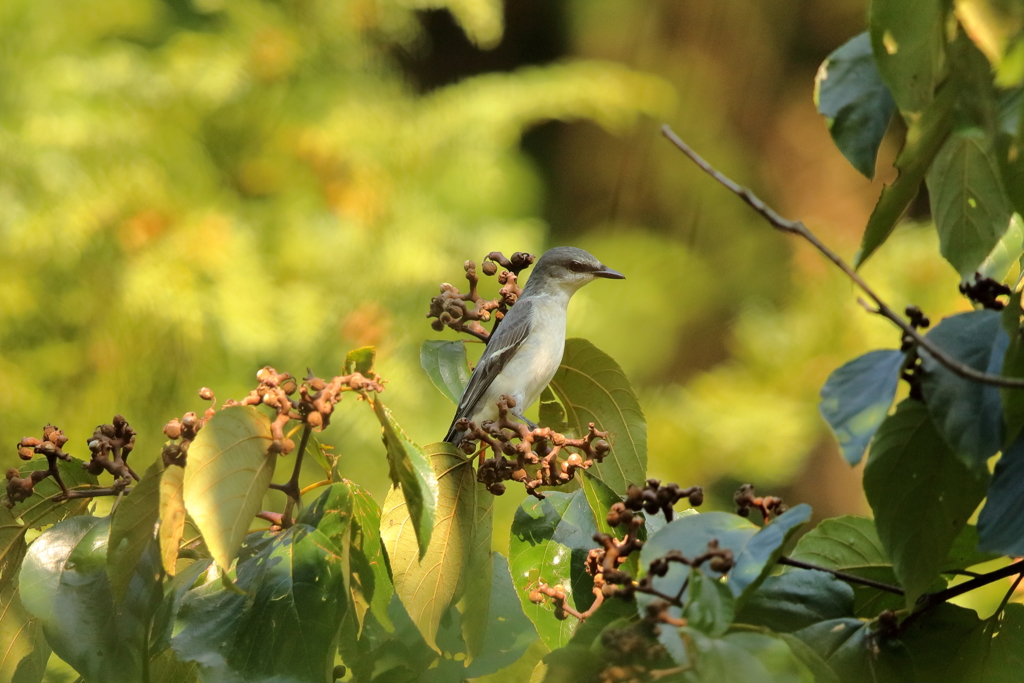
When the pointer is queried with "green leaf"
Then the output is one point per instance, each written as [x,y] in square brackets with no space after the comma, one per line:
[925,136]
[849,91]
[1013,366]
[998,642]
[64,584]
[856,398]
[38,510]
[851,544]
[549,542]
[965,551]
[1001,522]
[593,388]
[921,494]
[797,599]
[967,414]
[710,606]
[282,626]
[907,41]
[360,360]
[446,365]
[968,202]
[229,470]
[25,652]
[761,552]
[427,582]
[601,498]
[172,515]
[819,669]
[411,470]
[743,658]
[166,668]
[132,528]
[475,605]
[1007,251]
[552,414]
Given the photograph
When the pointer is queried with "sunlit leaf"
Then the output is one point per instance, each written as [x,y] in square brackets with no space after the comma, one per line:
[549,542]
[907,40]
[968,202]
[857,104]
[592,388]
[24,652]
[1007,251]
[132,528]
[427,581]
[968,414]
[172,515]
[411,469]
[360,360]
[921,494]
[446,365]
[228,472]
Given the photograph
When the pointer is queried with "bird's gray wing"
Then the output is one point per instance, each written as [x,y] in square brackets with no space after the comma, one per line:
[500,349]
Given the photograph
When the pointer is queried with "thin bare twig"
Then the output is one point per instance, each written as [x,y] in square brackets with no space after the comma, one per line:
[850,578]
[881,308]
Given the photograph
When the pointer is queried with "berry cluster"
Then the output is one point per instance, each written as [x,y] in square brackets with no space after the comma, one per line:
[984,291]
[746,501]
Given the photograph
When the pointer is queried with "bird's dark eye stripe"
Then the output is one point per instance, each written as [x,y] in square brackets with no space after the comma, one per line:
[578,267]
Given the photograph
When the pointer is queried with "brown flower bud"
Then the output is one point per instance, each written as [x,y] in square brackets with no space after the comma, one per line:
[206,393]
[489,267]
[172,430]
[315,419]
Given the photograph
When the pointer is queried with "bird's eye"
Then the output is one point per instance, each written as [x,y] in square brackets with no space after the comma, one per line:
[577,267]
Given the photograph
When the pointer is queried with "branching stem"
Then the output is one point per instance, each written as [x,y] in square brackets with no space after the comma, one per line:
[291,487]
[880,306]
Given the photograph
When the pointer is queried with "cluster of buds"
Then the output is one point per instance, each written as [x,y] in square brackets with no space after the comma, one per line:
[718,559]
[767,505]
[654,497]
[919,321]
[110,445]
[182,432]
[528,449]
[558,597]
[20,488]
[984,291]
[464,312]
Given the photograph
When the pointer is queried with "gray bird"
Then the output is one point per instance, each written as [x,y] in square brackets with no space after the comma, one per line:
[526,350]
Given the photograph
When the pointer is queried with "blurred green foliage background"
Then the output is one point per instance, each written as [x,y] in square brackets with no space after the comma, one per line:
[192,189]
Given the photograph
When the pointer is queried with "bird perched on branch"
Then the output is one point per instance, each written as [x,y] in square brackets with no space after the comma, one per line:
[526,349]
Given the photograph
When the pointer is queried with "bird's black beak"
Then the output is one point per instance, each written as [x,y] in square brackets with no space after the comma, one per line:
[609,273]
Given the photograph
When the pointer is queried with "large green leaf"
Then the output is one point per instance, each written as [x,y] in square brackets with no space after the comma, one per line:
[856,398]
[997,646]
[760,553]
[1001,522]
[132,528]
[921,494]
[797,599]
[857,104]
[64,584]
[411,470]
[24,650]
[710,607]
[282,628]
[969,205]
[38,510]
[907,40]
[549,542]
[427,582]
[744,657]
[968,414]
[1007,251]
[172,515]
[228,472]
[368,551]
[925,136]
[446,365]
[593,388]
[475,605]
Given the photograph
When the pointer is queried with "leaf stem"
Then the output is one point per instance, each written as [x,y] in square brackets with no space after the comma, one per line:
[849,578]
[311,487]
[881,307]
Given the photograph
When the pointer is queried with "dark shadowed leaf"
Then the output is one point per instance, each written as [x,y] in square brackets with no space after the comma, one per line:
[24,650]
[593,388]
[282,626]
[921,494]
[132,528]
[856,398]
[477,576]
[797,599]
[907,41]
[410,469]
[965,551]
[549,542]
[64,584]
[446,365]
[760,553]
[710,607]
[849,91]
[968,203]
[745,657]
[552,414]
[1013,366]
[229,470]
[427,584]
[166,668]
[360,360]
[1001,522]
[967,414]
[993,654]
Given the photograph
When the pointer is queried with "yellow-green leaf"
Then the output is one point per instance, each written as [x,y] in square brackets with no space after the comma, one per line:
[475,604]
[593,388]
[132,527]
[172,515]
[24,650]
[229,469]
[427,585]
